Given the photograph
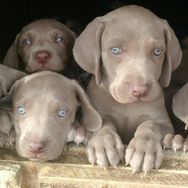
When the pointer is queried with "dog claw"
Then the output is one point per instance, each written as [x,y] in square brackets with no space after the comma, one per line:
[115,166]
[184,149]
[145,172]
[186,127]
[134,171]
[175,150]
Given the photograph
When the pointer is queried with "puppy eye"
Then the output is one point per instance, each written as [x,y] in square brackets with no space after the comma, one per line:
[116,50]
[60,39]
[21,110]
[157,51]
[26,42]
[62,113]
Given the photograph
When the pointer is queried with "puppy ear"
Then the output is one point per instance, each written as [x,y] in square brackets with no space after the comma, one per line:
[5,101]
[71,35]
[11,58]
[87,48]
[90,118]
[173,54]
[7,77]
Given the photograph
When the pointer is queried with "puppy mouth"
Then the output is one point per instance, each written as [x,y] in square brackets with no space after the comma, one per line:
[43,155]
[39,157]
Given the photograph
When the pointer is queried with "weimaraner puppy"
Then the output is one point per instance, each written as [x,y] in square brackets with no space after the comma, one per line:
[180,109]
[48,111]
[7,77]
[44,44]
[131,53]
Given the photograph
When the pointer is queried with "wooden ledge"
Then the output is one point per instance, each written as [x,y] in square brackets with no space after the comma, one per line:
[72,170]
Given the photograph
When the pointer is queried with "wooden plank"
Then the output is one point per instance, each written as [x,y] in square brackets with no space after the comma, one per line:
[73,170]
[10,175]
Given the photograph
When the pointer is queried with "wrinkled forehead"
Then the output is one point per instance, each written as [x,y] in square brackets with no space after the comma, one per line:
[132,31]
[44,26]
[45,89]
[132,26]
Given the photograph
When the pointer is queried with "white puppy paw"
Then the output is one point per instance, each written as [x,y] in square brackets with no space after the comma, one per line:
[175,142]
[105,148]
[144,153]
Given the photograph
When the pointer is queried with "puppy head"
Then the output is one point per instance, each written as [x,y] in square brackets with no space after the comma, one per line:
[131,52]
[44,44]
[44,106]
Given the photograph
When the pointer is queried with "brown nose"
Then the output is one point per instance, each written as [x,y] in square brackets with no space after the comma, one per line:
[36,147]
[140,90]
[42,56]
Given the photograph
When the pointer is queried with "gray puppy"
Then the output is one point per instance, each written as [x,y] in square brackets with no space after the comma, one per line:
[44,44]
[45,117]
[131,53]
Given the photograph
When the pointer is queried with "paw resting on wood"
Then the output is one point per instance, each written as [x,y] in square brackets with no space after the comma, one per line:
[175,142]
[144,153]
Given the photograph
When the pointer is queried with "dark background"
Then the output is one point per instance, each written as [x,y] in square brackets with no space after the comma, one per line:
[15,14]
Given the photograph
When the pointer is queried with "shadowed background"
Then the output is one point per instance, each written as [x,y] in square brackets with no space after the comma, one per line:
[77,13]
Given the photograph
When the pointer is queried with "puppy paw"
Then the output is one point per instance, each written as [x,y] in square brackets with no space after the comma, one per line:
[78,134]
[144,153]
[7,140]
[105,148]
[175,142]
[5,122]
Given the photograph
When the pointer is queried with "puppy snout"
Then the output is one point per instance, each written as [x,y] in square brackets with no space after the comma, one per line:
[43,56]
[140,90]
[37,147]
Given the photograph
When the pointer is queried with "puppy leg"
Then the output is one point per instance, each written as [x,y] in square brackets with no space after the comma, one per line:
[105,147]
[7,136]
[7,140]
[145,150]
[78,134]
[5,122]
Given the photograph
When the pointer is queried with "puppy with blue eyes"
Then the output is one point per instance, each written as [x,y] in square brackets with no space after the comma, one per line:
[44,44]
[47,117]
[131,53]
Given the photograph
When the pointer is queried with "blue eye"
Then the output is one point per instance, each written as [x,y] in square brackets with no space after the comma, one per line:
[116,50]
[21,110]
[26,42]
[157,51]
[63,113]
[60,39]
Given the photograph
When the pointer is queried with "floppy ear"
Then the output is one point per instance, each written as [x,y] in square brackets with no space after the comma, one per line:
[87,48]
[90,118]
[173,54]
[7,77]
[5,101]
[72,37]
[69,32]
[11,58]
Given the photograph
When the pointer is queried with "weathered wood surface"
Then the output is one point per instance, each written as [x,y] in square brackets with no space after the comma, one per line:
[72,170]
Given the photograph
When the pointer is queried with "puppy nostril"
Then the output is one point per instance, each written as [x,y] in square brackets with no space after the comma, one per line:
[36,147]
[145,93]
[139,90]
